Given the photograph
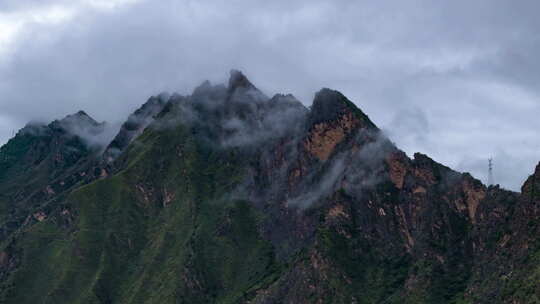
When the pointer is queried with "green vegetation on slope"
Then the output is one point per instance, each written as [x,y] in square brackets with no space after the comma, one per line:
[161,231]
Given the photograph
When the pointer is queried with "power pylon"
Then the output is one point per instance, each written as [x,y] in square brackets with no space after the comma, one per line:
[490,172]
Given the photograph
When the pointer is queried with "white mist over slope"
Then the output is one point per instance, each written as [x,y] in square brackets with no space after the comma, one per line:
[455,80]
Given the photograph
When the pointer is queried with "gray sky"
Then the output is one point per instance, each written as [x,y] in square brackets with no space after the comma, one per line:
[457,80]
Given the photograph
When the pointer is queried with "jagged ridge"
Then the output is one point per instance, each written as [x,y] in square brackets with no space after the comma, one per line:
[228,196]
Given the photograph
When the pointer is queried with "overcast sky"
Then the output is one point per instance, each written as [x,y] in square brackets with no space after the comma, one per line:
[457,80]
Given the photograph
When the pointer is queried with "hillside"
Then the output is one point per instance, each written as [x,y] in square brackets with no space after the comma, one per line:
[229,196]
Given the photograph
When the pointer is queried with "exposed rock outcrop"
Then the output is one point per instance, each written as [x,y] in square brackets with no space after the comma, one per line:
[228,196]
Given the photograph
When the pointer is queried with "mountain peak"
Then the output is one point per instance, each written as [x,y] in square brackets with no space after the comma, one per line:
[238,80]
[135,125]
[529,185]
[79,117]
[203,87]
[333,205]
[330,105]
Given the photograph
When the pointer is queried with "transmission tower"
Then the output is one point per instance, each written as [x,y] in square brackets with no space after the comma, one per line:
[490,172]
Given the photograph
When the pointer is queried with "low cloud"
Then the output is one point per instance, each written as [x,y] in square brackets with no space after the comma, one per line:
[355,171]
[95,135]
[326,185]
[98,137]
[240,118]
[477,88]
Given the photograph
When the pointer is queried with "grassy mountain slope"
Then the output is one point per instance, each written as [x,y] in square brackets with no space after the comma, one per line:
[232,197]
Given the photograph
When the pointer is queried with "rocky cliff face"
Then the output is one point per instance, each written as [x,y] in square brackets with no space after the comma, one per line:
[229,196]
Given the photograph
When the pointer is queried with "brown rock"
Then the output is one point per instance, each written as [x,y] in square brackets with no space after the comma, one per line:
[325,136]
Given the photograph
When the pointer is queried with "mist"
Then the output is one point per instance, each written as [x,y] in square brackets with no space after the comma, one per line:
[469,68]
[239,115]
[95,135]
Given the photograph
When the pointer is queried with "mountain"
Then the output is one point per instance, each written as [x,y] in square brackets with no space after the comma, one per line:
[134,126]
[230,196]
[41,163]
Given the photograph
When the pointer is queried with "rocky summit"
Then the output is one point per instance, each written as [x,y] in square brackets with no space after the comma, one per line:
[230,196]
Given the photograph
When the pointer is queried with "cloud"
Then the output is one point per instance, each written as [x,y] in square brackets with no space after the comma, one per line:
[7,129]
[324,187]
[94,134]
[411,127]
[469,67]
[236,116]
[354,171]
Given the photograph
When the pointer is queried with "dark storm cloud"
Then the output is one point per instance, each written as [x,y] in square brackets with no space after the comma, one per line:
[456,79]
